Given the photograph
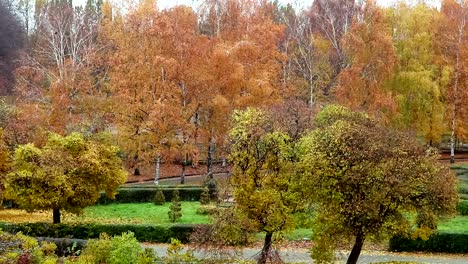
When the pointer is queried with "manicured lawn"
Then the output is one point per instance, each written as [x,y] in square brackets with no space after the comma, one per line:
[141,213]
[458,224]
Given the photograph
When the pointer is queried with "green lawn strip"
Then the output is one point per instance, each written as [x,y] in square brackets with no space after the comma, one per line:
[137,213]
[457,224]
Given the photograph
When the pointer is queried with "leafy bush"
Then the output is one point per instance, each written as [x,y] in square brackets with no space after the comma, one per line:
[97,251]
[23,249]
[146,195]
[207,210]
[123,249]
[175,254]
[175,210]
[462,208]
[159,198]
[205,196]
[143,233]
[437,242]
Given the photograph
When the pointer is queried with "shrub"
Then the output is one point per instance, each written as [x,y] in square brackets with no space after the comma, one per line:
[143,233]
[437,242]
[462,208]
[212,186]
[205,196]
[159,198]
[207,210]
[146,195]
[175,255]
[175,210]
[98,250]
[23,249]
[123,249]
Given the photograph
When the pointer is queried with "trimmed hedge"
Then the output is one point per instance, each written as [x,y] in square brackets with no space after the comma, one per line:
[438,242]
[144,233]
[152,186]
[146,195]
[462,207]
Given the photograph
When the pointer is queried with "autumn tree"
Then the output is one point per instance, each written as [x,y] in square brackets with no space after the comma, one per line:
[67,174]
[371,56]
[307,64]
[365,178]
[136,81]
[419,81]
[59,86]
[452,43]
[262,175]
[333,19]
[244,65]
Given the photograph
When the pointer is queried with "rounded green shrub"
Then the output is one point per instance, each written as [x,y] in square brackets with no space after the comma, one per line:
[159,198]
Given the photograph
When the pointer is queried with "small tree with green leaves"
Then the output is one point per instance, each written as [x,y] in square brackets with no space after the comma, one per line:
[159,198]
[364,177]
[67,174]
[205,196]
[263,175]
[175,210]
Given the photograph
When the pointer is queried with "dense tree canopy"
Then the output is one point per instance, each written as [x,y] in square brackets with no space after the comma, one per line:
[68,174]
[364,178]
[262,175]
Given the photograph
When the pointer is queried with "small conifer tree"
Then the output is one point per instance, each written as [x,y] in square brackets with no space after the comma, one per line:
[159,198]
[205,196]
[175,210]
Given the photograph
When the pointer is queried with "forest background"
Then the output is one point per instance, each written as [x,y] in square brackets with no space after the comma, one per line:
[165,82]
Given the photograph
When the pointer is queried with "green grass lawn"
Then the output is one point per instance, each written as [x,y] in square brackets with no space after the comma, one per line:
[457,224]
[140,213]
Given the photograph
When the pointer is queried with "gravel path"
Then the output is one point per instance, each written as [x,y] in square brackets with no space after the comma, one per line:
[301,255]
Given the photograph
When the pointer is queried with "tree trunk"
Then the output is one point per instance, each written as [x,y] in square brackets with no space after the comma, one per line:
[266,248]
[156,176]
[184,165]
[136,171]
[461,29]
[209,157]
[56,216]
[356,251]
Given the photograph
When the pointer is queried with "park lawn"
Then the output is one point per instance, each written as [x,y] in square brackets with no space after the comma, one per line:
[137,213]
[457,224]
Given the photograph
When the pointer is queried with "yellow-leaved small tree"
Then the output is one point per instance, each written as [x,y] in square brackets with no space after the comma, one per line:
[68,174]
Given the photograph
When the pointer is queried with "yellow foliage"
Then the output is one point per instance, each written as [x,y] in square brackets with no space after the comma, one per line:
[423,232]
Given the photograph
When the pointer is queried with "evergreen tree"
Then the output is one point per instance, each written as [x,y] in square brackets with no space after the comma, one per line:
[175,210]
[159,198]
[205,196]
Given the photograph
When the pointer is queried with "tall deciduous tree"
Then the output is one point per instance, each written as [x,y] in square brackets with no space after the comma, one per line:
[419,82]
[262,175]
[452,41]
[59,87]
[68,174]
[372,59]
[244,66]
[364,178]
